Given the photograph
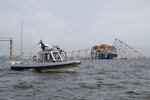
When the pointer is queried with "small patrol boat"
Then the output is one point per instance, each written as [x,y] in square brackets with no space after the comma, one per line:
[49,60]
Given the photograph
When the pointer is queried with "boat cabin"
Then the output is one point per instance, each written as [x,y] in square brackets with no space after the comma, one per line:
[50,55]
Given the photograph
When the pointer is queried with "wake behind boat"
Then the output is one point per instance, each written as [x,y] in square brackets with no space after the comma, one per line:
[49,60]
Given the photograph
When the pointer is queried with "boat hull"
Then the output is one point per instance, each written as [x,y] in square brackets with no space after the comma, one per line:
[48,67]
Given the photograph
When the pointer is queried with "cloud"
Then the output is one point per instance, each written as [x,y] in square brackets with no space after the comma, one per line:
[75,24]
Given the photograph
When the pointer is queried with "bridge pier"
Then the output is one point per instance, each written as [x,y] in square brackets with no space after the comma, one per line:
[10,45]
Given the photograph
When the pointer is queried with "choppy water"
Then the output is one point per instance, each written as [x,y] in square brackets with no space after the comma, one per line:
[94,80]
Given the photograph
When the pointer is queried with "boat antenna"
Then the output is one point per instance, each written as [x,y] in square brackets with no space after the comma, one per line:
[21,52]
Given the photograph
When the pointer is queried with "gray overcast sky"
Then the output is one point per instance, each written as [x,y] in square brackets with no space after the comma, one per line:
[75,24]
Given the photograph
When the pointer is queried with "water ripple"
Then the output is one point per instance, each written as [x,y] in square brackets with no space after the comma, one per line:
[94,80]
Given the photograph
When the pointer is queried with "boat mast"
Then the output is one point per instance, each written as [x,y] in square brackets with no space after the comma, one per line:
[21,52]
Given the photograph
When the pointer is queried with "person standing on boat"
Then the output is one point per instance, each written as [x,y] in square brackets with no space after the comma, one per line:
[42,45]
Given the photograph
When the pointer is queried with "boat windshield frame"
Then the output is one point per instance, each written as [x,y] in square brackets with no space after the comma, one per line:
[56,56]
[51,56]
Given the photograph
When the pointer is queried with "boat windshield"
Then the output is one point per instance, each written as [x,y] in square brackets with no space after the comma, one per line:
[63,55]
[57,56]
